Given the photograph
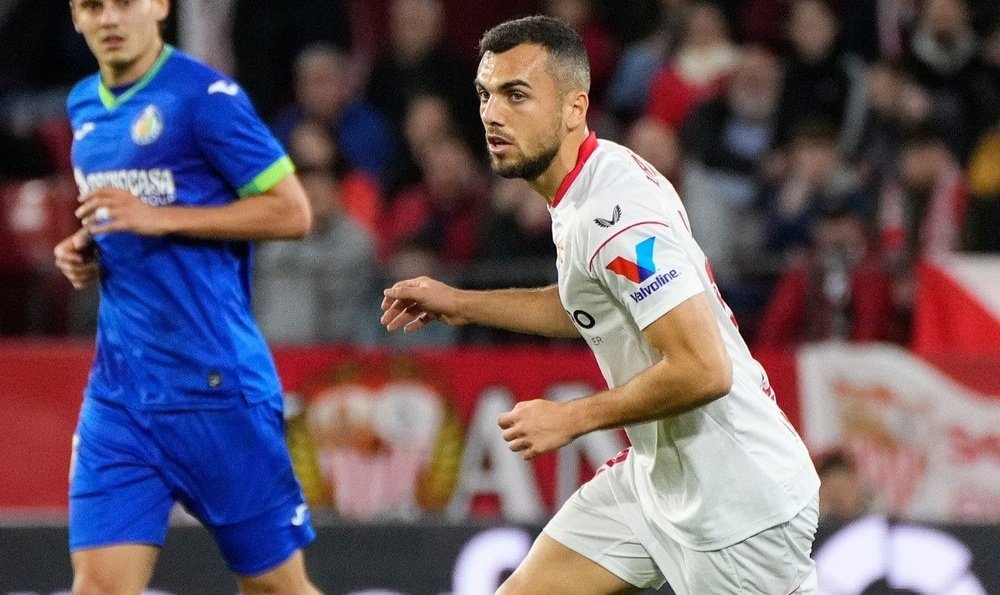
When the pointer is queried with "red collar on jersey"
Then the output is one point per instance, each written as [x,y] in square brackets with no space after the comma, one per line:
[588,147]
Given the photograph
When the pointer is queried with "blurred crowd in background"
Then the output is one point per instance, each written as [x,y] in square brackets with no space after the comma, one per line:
[821,148]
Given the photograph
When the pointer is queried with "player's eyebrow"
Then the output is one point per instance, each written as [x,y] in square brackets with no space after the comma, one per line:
[509,85]
[506,86]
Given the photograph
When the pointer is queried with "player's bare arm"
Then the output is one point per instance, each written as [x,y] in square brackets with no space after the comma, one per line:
[282,212]
[694,371]
[412,304]
[75,259]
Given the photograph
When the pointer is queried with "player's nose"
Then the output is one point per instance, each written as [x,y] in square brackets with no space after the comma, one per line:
[489,112]
[110,16]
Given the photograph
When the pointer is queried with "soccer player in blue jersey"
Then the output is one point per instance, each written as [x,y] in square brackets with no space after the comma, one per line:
[177,175]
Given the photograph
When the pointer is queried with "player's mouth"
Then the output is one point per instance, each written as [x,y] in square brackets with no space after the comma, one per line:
[497,144]
[112,43]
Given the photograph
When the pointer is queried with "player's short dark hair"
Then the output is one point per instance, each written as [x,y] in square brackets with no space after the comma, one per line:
[568,62]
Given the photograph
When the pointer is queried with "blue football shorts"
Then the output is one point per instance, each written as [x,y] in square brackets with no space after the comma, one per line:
[229,468]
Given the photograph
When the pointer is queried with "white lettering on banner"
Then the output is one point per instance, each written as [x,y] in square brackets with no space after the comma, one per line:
[906,557]
[484,559]
[925,444]
[489,467]
[594,448]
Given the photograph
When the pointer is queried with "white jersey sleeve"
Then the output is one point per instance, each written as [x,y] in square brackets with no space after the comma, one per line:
[646,269]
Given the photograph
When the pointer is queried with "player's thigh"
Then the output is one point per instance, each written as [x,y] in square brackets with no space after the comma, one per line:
[772,561]
[231,469]
[117,494]
[288,578]
[552,568]
[113,570]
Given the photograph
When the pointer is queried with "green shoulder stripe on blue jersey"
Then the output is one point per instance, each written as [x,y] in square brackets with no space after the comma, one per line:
[108,98]
[267,179]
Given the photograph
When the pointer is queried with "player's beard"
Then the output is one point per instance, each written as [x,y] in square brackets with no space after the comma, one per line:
[529,167]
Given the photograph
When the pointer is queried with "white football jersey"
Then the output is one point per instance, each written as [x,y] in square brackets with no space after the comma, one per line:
[715,475]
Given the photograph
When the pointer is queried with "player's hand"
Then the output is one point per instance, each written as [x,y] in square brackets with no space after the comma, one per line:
[534,427]
[74,257]
[411,304]
[107,210]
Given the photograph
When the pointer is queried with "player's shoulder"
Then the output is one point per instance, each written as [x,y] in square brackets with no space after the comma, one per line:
[83,93]
[622,181]
[625,193]
[194,77]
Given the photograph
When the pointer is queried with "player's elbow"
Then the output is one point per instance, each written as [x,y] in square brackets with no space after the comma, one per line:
[716,380]
[291,209]
[301,221]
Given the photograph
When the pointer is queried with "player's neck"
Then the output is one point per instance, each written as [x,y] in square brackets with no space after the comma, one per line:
[548,183]
[117,75]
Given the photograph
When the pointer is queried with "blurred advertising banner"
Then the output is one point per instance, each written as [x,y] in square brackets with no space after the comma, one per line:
[928,446]
[869,556]
[957,306]
[411,435]
[374,434]
[402,436]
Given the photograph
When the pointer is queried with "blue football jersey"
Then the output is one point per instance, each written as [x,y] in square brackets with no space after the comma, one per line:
[175,326]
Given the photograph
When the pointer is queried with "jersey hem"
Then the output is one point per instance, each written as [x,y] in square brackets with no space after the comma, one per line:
[651,316]
[268,178]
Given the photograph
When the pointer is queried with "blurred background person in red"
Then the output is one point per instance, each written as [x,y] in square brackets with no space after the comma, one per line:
[837,287]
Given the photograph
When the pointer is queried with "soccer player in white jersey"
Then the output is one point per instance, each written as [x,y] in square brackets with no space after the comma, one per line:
[717,493]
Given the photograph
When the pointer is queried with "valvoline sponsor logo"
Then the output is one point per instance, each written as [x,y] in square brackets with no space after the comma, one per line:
[660,281]
[642,269]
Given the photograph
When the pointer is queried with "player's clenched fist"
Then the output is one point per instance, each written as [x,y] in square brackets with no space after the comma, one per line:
[411,304]
[74,257]
[534,427]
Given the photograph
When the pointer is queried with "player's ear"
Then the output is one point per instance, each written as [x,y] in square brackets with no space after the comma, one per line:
[161,9]
[72,15]
[575,109]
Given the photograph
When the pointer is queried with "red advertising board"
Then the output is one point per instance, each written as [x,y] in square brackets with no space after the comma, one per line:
[41,384]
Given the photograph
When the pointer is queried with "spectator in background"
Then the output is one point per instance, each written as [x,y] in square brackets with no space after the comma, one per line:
[836,288]
[515,250]
[628,88]
[269,34]
[814,178]
[320,288]
[877,29]
[428,120]
[658,144]
[699,69]
[727,142]
[325,94]
[983,225]
[842,495]
[921,214]
[896,105]
[988,85]
[821,84]
[436,221]
[943,57]
[418,61]
[601,52]
[518,226]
